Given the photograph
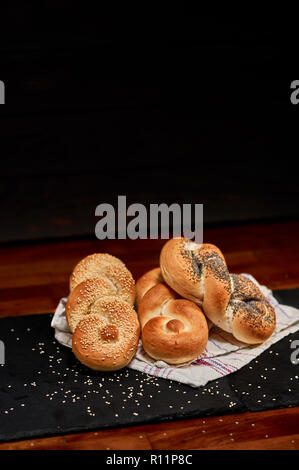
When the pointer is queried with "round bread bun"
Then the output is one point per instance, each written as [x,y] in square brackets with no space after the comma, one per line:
[109,268]
[174,330]
[145,282]
[107,339]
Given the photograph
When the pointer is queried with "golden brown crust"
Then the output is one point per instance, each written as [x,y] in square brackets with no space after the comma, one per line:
[145,282]
[92,266]
[107,339]
[254,324]
[253,317]
[173,329]
[83,296]
[217,294]
[153,302]
[235,304]
[108,267]
[176,269]
[184,264]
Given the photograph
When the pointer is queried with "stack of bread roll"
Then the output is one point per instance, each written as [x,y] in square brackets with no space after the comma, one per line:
[174,302]
[191,285]
[100,312]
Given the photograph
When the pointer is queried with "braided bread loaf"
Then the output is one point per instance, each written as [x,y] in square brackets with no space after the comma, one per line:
[173,329]
[231,301]
[100,312]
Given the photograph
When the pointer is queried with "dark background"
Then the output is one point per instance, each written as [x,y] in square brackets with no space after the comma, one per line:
[175,109]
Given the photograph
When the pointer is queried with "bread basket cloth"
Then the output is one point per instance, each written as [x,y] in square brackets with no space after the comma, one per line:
[222,356]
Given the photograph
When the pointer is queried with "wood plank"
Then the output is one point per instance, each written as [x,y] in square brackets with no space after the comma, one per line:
[34,276]
[274,429]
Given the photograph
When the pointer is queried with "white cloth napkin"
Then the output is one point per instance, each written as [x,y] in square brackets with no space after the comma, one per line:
[222,356]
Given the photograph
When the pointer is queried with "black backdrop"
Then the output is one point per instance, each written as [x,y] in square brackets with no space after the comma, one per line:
[173,109]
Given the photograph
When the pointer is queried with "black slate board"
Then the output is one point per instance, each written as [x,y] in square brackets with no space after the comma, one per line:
[45,391]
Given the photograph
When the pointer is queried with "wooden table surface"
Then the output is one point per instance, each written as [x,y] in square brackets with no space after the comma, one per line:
[34,276]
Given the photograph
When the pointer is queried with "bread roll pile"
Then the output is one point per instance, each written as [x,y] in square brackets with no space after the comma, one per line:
[100,312]
[174,301]
[199,274]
